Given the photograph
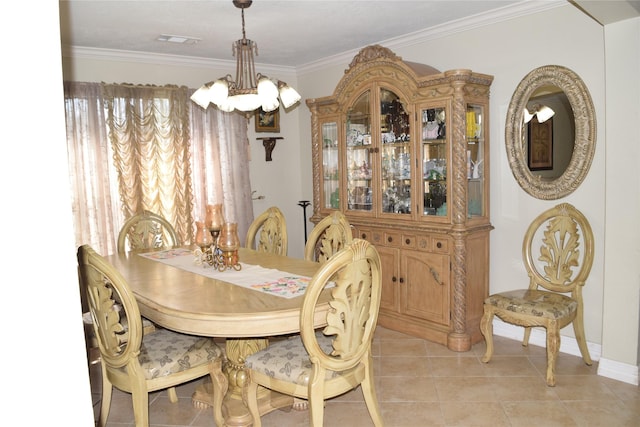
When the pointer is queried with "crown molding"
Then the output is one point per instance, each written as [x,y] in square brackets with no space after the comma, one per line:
[90,53]
[526,7]
[505,13]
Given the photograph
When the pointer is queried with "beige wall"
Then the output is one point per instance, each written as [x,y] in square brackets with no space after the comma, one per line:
[622,251]
[507,50]
[510,56]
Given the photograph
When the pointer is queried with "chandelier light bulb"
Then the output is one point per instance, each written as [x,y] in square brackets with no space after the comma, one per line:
[219,91]
[544,113]
[202,96]
[268,93]
[246,101]
[288,95]
[527,116]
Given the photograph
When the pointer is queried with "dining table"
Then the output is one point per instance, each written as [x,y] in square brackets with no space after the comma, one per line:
[245,308]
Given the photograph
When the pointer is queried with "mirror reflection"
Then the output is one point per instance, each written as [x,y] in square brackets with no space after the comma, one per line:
[549,132]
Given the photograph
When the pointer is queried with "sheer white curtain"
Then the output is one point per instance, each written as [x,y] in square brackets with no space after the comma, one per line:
[134,147]
[93,178]
[220,159]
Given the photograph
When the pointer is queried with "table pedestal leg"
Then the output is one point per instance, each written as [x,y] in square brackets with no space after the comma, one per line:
[234,410]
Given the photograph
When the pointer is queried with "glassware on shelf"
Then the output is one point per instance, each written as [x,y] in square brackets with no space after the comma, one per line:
[330,165]
[475,160]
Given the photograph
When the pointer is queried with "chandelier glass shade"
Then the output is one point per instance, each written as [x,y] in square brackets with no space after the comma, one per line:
[250,90]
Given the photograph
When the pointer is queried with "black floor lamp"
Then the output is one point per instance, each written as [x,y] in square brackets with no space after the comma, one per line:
[304,204]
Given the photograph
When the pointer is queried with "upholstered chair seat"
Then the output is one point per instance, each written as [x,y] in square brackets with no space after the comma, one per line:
[165,352]
[292,354]
[536,303]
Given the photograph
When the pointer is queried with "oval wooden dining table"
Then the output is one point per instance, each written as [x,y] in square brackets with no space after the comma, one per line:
[193,303]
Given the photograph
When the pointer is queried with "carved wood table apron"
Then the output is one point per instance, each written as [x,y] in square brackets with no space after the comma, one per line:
[192,303]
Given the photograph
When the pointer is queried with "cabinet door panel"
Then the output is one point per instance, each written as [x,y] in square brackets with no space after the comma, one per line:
[425,289]
[358,155]
[389,265]
[330,188]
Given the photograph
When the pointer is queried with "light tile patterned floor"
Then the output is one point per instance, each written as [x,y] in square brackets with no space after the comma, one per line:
[421,384]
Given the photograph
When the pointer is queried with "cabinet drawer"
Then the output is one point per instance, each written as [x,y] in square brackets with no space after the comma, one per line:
[372,236]
[440,245]
[392,239]
[362,233]
[409,241]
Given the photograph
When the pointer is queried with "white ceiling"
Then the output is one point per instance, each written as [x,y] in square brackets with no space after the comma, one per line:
[288,33]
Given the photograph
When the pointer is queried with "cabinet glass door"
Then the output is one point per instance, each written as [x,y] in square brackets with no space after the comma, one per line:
[395,156]
[359,183]
[330,166]
[475,160]
[434,161]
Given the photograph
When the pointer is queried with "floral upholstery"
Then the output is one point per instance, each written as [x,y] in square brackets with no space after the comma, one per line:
[534,303]
[288,359]
[165,352]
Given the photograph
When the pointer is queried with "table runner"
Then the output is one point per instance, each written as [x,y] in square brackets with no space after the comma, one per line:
[258,278]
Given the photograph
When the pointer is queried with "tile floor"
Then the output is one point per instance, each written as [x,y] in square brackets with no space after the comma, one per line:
[420,383]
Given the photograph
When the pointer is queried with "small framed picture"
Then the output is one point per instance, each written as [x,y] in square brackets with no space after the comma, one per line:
[540,139]
[267,121]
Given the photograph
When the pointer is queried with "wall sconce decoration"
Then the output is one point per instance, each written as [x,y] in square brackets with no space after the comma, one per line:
[269,143]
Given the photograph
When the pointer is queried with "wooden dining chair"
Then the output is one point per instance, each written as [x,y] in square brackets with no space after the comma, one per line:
[270,228]
[317,365]
[560,267]
[330,235]
[146,230]
[130,360]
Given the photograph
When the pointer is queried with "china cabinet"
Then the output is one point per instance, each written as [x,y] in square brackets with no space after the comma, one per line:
[402,150]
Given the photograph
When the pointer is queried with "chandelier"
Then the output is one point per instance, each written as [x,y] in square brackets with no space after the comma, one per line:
[249,91]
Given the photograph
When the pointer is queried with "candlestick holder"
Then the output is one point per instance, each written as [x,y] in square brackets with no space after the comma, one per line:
[229,242]
[218,248]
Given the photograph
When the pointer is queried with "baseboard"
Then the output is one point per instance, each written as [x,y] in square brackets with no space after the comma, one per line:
[618,371]
[606,368]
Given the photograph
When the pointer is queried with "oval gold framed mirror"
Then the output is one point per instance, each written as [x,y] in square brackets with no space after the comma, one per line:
[525,166]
